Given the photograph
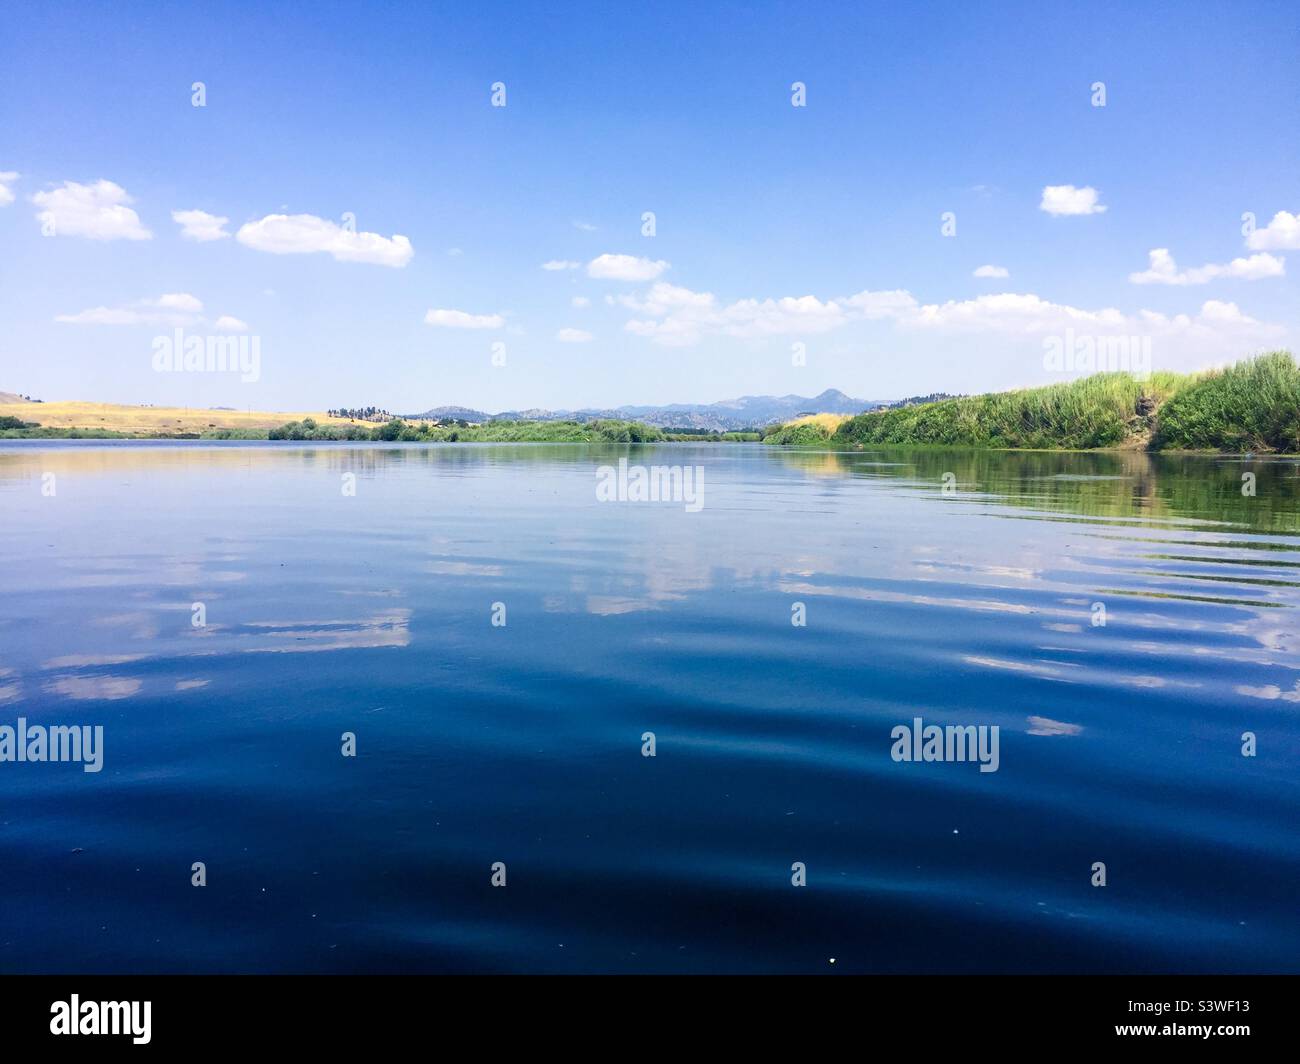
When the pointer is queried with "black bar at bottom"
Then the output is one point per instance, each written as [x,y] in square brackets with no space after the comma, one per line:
[623,1012]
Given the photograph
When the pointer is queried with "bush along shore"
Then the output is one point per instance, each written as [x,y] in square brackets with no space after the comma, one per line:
[13,428]
[605,430]
[1253,406]
[397,430]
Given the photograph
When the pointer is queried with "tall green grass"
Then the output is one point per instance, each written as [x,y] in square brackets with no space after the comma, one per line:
[802,434]
[1104,410]
[1254,405]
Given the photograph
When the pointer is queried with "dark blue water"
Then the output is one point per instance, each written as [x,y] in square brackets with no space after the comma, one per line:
[522,743]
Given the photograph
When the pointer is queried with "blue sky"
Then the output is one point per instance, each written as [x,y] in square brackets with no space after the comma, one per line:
[775,225]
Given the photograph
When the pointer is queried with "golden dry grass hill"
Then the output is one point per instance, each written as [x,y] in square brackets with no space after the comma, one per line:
[149,420]
[830,422]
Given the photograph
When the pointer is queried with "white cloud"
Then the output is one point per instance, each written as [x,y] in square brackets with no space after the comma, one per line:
[991,271]
[872,306]
[103,316]
[573,336]
[178,308]
[580,302]
[1163,269]
[200,225]
[459,319]
[1010,312]
[305,234]
[1225,313]
[663,298]
[1066,199]
[182,301]
[789,314]
[1027,314]
[1281,234]
[7,178]
[560,264]
[678,317]
[586,227]
[624,268]
[174,309]
[96,212]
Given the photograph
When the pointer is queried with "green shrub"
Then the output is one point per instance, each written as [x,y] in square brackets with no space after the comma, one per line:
[1104,410]
[805,434]
[1252,406]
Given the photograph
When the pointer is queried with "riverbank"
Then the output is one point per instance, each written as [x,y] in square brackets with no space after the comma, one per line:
[1253,406]
[86,420]
[159,425]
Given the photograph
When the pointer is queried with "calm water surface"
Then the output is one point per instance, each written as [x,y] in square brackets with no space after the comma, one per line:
[372,614]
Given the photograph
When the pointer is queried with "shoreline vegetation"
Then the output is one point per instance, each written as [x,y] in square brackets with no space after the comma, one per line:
[601,430]
[395,430]
[1253,406]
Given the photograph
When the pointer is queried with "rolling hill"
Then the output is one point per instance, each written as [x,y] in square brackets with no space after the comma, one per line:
[749,411]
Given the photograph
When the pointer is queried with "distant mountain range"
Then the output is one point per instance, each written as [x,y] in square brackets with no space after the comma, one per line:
[749,411]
